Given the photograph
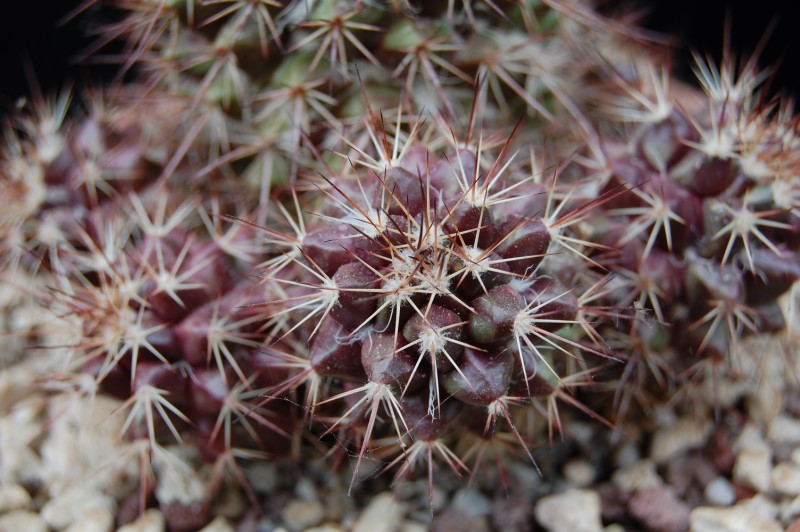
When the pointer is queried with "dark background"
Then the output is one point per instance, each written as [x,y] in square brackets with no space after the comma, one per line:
[29,32]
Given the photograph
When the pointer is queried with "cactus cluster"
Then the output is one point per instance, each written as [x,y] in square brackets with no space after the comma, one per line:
[426,225]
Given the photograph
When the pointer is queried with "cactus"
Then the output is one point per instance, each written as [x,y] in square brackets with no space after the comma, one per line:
[419,224]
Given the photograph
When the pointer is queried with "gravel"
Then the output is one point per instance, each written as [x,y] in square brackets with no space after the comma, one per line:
[720,492]
[64,468]
[575,510]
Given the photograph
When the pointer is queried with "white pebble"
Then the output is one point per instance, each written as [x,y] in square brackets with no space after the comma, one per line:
[383,514]
[789,509]
[305,489]
[764,402]
[178,482]
[640,475]
[720,492]
[13,497]
[572,511]
[151,520]
[300,514]
[579,473]
[71,506]
[786,478]
[93,520]
[734,519]
[761,505]
[220,524]
[22,521]
[471,502]
[784,429]
[686,434]
[753,468]
[750,438]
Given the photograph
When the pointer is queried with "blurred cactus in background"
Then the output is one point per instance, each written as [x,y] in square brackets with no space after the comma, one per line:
[408,233]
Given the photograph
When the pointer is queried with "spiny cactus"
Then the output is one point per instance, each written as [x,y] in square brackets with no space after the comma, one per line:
[427,221]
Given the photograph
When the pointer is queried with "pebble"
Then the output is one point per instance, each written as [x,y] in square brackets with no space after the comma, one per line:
[230,502]
[582,433]
[734,519]
[784,429]
[786,478]
[456,520]
[761,505]
[472,502]
[789,509]
[627,455]
[685,434]
[720,492]
[572,511]
[177,481]
[18,429]
[438,497]
[383,514]
[16,383]
[20,520]
[300,514]
[764,403]
[753,468]
[640,475]
[14,497]
[70,507]
[262,476]
[151,520]
[579,473]
[220,524]
[330,527]
[659,509]
[750,438]
[305,489]
[93,520]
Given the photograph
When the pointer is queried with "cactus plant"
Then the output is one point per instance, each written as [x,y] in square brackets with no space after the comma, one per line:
[424,225]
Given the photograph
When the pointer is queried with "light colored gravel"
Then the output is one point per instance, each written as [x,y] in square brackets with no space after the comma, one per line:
[151,520]
[686,434]
[579,473]
[572,511]
[21,520]
[219,524]
[734,519]
[752,469]
[784,429]
[785,478]
[14,497]
[720,492]
[383,514]
[299,514]
[640,475]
